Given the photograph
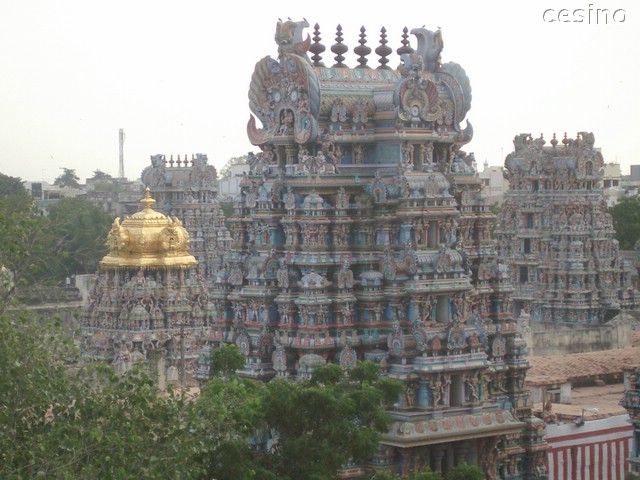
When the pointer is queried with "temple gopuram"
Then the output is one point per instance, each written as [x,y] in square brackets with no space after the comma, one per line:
[149,303]
[631,402]
[187,189]
[556,235]
[361,233]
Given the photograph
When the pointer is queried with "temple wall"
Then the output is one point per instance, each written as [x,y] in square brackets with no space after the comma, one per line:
[67,312]
[597,449]
[558,339]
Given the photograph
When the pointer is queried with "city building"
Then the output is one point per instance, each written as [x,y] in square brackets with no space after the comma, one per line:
[612,183]
[555,233]
[229,187]
[361,233]
[582,398]
[494,185]
[117,196]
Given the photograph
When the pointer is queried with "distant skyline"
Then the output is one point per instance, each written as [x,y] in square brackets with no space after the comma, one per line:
[175,76]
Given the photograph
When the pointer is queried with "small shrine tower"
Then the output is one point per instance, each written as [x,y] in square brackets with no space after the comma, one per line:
[149,303]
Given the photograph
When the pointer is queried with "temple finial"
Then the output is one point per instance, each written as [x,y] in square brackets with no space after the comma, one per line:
[362,50]
[339,49]
[147,201]
[316,47]
[383,51]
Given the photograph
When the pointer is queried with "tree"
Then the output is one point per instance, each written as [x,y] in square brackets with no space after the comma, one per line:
[10,186]
[22,232]
[226,359]
[78,232]
[225,171]
[626,221]
[100,175]
[45,250]
[67,179]
[223,422]
[338,418]
[60,420]
[63,420]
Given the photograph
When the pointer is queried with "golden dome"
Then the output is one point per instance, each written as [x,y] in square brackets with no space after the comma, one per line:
[148,239]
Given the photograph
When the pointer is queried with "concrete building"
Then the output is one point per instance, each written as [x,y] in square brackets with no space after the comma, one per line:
[612,183]
[494,184]
[229,187]
[584,399]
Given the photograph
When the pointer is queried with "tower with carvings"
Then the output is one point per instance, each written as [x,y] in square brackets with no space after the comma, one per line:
[557,236]
[148,304]
[187,189]
[361,234]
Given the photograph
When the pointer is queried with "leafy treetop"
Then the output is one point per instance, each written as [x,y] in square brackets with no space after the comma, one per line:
[67,179]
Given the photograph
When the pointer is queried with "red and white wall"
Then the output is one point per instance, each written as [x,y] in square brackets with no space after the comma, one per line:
[597,450]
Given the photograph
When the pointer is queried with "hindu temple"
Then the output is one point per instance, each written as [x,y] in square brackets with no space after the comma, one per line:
[557,236]
[186,188]
[361,233]
[149,303]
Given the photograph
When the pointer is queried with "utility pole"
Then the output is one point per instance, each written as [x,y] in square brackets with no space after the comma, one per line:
[182,354]
[121,167]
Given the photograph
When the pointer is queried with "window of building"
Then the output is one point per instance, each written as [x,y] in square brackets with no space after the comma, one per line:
[524,274]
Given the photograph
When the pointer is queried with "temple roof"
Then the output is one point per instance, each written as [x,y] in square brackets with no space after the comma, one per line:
[148,239]
[456,427]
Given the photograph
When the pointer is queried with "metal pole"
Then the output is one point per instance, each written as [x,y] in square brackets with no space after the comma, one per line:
[181,354]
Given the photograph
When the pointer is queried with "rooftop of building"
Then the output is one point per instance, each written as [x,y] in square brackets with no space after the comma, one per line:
[606,366]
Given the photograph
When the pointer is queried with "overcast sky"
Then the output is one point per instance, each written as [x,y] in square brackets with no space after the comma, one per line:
[175,75]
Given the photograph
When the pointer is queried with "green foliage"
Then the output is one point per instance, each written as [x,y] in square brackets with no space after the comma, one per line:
[227,208]
[495,208]
[225,172]
[422,475]
[626,221]
[61,420]
[11,186]
[460,472]
[65,423]
[22,245]
[337,419]
[100,175]
[79,231]
[44,250]
[465,472]
[68,178]
[226,359]
[225,417]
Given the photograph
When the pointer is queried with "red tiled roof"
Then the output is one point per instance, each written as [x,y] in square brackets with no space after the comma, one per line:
[562,368]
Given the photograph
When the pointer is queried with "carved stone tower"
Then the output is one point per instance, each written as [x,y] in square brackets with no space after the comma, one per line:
[361,233]
[556,234]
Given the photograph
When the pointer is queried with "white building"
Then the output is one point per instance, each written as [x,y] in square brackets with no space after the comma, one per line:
[229,187]
[493,183]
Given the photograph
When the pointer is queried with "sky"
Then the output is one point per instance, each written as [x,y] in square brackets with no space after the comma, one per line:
[175,75]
